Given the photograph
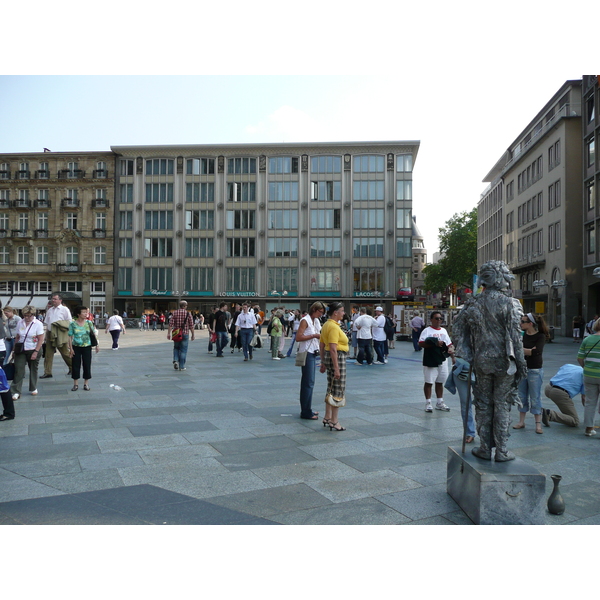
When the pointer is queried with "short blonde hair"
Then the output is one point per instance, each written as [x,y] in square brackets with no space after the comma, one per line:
[12,310]
[29,310]
[596,326]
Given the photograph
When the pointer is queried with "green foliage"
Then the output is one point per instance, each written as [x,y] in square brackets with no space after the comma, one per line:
[458,244]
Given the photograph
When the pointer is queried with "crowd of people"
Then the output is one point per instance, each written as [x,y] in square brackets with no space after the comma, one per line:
[328,333]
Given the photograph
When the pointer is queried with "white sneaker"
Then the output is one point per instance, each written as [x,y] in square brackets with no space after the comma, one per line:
[441,406]
[275,358]
[34,393]
[428,407]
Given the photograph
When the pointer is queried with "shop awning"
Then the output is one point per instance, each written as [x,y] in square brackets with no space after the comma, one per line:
[18,302]
[4,300]
[40,302]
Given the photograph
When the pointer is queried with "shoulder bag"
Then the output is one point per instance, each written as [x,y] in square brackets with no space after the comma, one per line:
[93,338]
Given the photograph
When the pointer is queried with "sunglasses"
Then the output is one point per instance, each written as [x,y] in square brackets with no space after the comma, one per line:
[525,321]
[437,319]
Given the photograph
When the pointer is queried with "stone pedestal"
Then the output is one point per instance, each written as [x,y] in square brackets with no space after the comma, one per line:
[491,493]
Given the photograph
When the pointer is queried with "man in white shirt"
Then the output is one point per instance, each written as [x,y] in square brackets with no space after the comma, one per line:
[379,336]
[364,325]
[56,311]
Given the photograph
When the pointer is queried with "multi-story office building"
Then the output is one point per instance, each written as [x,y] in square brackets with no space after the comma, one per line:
[530,215]
[591,203]
[56,228]
[262,221]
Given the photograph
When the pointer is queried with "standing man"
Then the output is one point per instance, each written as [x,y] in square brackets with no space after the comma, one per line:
[220,328]
[245,327]
[437,344]
[210,322]
[355,315]
[364,325]
[379,337]
[58,313]
[417,325]
[563,387]
[181,319]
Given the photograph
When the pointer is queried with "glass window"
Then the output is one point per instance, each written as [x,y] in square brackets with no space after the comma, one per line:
[159,192]
[199,219]
[403,218]
[159,219]
[368,246]
[325,218]
[368,280]
[124,278]
[241,192]
[241,247]
[368,190]
[158,247]
[125,220]
[100,221]
[590,194]
[125,167]
[324,279]
[283,219]
[99,255]
[158,278]
[404,190]
[283,164]
[23,221]
[326,190]
[283,247]
[326,164]
[199,248]
[404,163]
[325,247]
[4,221]
[41,255]
[282,279]
[369,164]
[240,219]
[126,192]
[159,166]
[241,279]
[403,247]
[370,218]
[241,165]
[591,240]
[201,166]
[125,248]
[200,192]
[72,221]
[283,191]
[71,255]
[199,279]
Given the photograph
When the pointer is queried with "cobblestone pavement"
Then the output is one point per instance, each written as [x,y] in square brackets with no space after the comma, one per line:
[222,443]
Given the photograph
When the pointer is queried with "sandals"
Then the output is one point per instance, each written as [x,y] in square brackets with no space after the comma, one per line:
[326,422]
[332,426]
[86,387]
[74,388]
[538,427]
[519,426]
[469,439]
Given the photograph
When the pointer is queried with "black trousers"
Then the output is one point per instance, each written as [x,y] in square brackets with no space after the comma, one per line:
[83,354]
[8,405]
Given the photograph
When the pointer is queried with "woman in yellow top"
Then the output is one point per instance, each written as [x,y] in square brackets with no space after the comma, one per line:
[333,345]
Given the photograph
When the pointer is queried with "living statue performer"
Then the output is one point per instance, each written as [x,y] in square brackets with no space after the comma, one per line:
[487,335]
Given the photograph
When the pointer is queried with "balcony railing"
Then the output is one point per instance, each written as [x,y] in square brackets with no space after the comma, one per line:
[74,174]
[70,202]
[4,203]
[100,203]
[22,174]
[100,174]
[19,233]
[41,233]
[42,174]
[67,267]
[99,233]
[3,233]
[22,203]
[42,203]
[4,174]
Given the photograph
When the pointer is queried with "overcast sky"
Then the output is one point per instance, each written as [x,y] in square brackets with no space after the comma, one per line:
[463,78]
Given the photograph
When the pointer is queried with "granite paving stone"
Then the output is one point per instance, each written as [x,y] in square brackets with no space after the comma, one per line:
[174,427]
[155,441]
[83,481]
[265,458]
[314,470]
[112,433]
[114,459]
[421,503]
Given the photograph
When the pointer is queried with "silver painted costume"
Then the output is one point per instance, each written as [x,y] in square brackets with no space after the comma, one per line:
[487,335]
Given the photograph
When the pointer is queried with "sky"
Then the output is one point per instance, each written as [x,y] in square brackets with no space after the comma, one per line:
[463,79]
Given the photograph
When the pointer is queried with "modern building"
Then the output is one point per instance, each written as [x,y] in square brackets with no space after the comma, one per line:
[530,215]
[591,203]
[264,222]
[56,228]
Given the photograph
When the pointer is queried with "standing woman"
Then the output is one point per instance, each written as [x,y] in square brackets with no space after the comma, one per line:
[10,330]
[589,358]
[245,328]
[334,347]
[115,327]
[80,347]
[30,333]
[530,388]
[276,333]
[307,335]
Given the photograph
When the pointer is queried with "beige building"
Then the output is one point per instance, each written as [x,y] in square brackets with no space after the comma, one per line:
[56,228]
[419,261]
[277,223]
[530,215]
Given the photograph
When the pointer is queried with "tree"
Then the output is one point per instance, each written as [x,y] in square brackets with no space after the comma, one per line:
[458,245]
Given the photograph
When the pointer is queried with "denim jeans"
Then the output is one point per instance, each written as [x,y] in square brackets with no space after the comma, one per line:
[289,352]
[180,351]
[530,392]
[462,387]
[307,384]
[246,335]
[222,341]
[415,340]
[379,346]
[10,344]
[365,351]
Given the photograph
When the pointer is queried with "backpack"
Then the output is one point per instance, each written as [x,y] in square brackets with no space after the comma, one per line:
[389,326]
[270,326]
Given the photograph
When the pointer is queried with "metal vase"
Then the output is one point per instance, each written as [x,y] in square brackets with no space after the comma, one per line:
[556,504]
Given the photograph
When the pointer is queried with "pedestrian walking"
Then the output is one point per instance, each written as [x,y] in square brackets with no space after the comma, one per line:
[181,327]
[116,327]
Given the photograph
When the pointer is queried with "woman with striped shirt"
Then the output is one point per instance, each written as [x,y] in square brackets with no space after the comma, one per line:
[589,358]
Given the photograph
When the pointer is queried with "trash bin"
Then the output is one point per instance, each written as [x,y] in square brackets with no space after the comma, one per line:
[551,334]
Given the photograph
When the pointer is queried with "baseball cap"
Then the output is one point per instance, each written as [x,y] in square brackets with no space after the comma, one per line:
[379,308]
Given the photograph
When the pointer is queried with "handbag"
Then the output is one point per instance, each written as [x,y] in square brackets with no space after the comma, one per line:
[9,370]
[253,342]
[301,359]
[19,347]
[93,338]
[213,337]
[177,335]
[329,399]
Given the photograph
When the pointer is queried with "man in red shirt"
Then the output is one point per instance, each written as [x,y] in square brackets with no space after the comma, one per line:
[182,320]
